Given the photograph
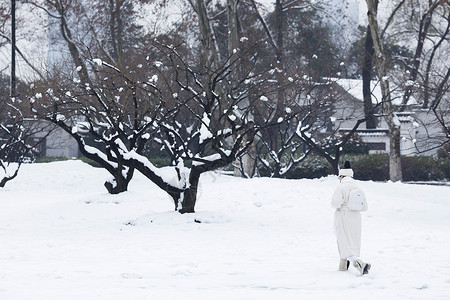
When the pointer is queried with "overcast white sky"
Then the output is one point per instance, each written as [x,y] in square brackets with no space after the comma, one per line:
[36,45]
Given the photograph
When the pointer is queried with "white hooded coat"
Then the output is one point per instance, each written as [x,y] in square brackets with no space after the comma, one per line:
[347,222]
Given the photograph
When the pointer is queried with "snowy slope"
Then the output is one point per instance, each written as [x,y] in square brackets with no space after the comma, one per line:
[63,237]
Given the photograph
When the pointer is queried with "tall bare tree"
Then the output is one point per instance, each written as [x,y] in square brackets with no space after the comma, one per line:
[395,170]
[369,52]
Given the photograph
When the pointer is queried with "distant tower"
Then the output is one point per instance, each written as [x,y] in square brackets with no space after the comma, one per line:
[13,49]
[58,54]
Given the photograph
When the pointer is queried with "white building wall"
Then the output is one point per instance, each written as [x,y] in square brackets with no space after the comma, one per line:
[60,144]
[53,141]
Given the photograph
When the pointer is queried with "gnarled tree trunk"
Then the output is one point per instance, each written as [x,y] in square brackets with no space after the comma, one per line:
[395,170]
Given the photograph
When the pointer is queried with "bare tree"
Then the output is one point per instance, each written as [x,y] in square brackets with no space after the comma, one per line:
[205,133]
[423,33]
[18,140]
[428,73]
[395,170]
[427,24]
[13,148]
[98,107]
[303,86]
[160,97]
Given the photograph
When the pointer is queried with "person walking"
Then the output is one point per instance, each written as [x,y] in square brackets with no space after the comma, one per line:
[347,222]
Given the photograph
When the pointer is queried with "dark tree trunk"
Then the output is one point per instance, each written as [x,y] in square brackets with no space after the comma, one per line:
[189,195]
[119,183]
[369,53]
[5,179]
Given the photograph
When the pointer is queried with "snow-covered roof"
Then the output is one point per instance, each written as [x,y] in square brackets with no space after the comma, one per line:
[369,132]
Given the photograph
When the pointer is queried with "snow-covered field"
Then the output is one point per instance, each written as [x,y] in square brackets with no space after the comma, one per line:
[63,237]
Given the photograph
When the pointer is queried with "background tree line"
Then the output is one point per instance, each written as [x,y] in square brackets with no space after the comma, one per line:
[226,84]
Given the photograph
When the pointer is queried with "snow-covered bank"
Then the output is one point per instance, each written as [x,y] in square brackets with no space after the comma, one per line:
[63,237]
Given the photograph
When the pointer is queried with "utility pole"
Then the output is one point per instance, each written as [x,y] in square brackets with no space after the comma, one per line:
[13,49]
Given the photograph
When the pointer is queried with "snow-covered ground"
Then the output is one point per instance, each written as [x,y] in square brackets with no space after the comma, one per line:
[63,237]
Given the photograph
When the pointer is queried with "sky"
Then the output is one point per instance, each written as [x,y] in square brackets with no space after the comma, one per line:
[32,35]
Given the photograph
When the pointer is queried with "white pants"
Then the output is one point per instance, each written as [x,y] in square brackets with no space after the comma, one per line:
[352,258]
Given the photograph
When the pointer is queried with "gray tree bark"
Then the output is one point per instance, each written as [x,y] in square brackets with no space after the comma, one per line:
[248,160]
[395,167]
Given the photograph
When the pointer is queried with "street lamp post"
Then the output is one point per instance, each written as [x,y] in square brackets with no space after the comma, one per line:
[13,49]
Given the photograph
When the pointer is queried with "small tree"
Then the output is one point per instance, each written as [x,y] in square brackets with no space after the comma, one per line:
[17,144]
[12,149]
[207,132]
[103,109]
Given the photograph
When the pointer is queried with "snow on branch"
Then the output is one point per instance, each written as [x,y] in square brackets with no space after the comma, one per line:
[167,175]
